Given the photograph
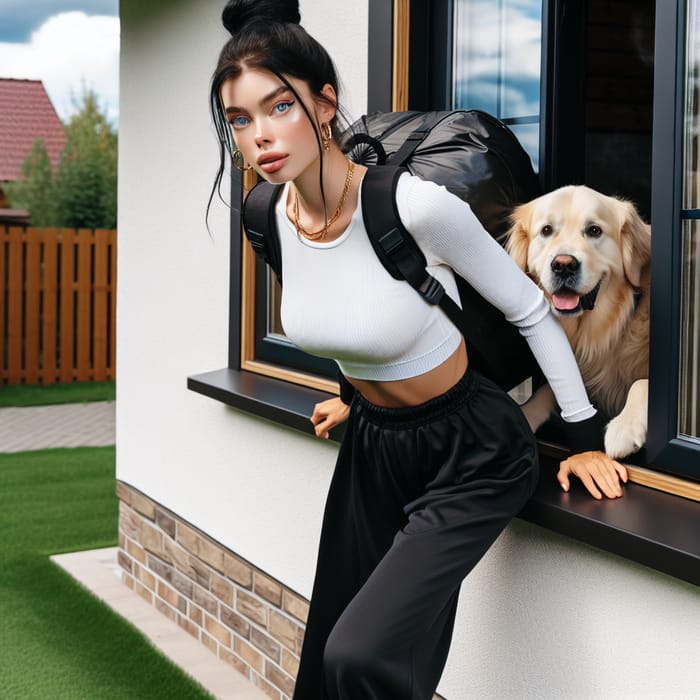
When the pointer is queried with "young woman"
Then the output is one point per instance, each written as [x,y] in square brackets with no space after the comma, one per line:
[436,459]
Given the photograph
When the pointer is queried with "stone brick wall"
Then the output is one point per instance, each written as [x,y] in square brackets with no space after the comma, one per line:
[243,616]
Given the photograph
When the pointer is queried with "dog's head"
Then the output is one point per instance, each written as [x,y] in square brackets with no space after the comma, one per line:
[575,241]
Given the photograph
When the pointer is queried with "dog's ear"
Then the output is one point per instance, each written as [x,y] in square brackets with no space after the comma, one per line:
[518,237]
[635,240]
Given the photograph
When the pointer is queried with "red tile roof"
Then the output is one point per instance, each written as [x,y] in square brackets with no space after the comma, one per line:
[26,113]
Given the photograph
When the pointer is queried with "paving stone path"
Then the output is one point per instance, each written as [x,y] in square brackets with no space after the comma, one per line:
[64,425]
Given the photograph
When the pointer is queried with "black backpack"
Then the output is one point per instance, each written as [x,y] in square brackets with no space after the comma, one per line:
[477,158]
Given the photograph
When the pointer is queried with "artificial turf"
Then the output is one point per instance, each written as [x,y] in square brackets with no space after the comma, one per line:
[71,392]
[56,639]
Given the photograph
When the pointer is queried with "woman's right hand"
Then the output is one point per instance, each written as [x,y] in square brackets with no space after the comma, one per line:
[597,471]
[327,415]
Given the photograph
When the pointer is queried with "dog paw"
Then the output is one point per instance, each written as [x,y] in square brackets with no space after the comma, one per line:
[624,436]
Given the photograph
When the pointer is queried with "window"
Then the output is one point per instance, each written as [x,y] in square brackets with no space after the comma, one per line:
[496,64]
[581,112]
[270,345]
[263,348]
[674,429]
[489,74]
[576,83]
[673,442]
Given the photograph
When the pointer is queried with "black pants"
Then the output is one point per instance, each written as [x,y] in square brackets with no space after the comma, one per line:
[417,497]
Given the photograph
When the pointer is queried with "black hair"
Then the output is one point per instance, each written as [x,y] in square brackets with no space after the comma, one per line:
[267,35]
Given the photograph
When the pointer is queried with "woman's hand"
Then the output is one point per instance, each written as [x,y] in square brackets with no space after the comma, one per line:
[597,471]
[327,415]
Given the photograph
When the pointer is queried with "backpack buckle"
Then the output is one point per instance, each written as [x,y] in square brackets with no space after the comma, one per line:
[391,241]
[418,135]
[256,239]
[431,290]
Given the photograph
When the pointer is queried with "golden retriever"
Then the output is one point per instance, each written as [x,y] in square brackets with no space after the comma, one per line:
[590,254]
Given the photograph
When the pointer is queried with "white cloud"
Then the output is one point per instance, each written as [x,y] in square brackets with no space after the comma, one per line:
[515,102]
[492,40]
[69,52]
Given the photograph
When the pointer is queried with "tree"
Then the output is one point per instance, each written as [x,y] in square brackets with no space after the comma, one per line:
[83,191]
[86,181]
[35,192]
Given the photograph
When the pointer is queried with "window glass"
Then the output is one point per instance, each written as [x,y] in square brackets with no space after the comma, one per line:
[689,394]
[619,96]
[691,183]
[497,49]
[274,300]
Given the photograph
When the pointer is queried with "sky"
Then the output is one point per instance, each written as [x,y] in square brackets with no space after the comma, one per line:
[71,45]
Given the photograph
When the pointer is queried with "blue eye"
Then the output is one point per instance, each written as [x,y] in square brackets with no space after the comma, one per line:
[283,107]
[239,122]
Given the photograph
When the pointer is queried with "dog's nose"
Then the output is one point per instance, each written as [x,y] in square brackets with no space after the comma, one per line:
[565,264]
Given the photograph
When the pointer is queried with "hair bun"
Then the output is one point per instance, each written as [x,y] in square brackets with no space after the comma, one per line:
[238,14]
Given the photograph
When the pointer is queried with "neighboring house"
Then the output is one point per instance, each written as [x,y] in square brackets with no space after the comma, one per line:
[26,114]
[221,505]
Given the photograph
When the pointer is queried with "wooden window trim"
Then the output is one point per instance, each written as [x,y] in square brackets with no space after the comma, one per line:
[401,42]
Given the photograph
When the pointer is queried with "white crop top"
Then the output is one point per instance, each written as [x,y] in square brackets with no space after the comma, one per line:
[338,301]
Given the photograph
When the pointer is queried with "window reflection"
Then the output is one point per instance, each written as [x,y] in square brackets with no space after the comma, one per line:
[689,394]
[497,63]
[691,184]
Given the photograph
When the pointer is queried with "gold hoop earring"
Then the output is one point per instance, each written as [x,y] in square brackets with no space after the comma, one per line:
[239,161]
[326,136]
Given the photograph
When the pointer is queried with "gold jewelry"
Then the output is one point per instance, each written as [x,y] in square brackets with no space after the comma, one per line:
[239,161]
[320,235]
[326,136]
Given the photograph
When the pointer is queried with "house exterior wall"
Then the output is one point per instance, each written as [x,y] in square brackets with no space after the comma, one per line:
[540,617]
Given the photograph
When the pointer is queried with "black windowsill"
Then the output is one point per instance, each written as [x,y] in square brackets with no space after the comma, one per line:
[650,527]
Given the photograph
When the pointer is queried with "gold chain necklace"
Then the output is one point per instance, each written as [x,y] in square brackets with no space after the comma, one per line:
[320,235]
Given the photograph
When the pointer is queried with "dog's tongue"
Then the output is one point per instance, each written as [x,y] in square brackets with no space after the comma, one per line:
[565,301]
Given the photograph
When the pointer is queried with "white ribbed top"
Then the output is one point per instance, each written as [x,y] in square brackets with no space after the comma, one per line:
[338,301]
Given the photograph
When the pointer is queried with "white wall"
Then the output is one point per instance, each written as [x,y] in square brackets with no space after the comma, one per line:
[541,617]
[217,468]
[545,617]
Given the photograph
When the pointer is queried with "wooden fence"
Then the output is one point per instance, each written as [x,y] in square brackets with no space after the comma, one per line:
[57,305]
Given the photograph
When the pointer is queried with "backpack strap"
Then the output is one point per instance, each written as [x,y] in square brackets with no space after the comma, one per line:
[414,139]
[260,224]
[394,245]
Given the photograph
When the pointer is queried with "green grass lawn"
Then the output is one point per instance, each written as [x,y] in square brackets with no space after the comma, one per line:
[75,392]
[56,639]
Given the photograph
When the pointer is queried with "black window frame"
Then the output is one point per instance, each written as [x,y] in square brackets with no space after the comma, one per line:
[648,526]
[562,112]
[665,448]
[275,349]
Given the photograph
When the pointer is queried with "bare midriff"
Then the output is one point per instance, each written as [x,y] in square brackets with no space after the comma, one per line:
[415,390]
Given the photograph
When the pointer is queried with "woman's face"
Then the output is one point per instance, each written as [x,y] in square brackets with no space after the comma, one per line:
[269,125]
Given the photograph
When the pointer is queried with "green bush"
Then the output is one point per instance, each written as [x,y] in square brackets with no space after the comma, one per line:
[82,193]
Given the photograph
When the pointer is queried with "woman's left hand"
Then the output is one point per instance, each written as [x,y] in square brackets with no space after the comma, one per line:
[597,471]
[327,415]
